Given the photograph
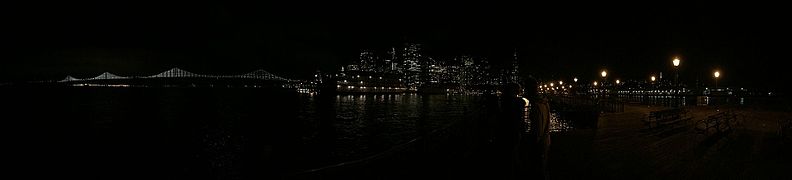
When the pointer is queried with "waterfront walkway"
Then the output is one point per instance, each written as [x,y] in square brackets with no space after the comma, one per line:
[622,148]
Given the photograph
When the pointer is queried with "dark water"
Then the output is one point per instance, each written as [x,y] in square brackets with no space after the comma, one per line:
[130,133]
[348,127]
[99,133]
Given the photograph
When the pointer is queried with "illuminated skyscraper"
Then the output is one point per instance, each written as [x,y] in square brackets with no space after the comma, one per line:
[368,61]
[412,58]
[513,73]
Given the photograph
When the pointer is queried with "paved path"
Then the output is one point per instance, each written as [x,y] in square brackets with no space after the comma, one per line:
[622,149]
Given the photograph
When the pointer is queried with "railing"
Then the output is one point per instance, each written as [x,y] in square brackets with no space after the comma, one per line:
[604,104]
[574,100]
[661,100]
[611,105]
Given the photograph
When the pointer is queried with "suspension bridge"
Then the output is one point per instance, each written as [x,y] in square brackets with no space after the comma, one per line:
[177,77]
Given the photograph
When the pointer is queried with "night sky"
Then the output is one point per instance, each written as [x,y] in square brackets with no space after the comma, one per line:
[49,41]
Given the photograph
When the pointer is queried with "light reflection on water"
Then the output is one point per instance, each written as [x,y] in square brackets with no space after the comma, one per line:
[557,122]
[358,126]
[355,126]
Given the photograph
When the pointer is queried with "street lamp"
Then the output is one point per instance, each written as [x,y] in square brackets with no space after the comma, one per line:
[676,70]
[560,82]
[595,88]
[717,74]
[617,82]
[653,78]
[575,79]
[604,74]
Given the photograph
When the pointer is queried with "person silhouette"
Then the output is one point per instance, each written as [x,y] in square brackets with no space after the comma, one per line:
[539,133]
[509,128]
[513,107]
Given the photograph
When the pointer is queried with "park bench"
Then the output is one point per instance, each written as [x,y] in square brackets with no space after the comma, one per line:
[722,122]
[666,118]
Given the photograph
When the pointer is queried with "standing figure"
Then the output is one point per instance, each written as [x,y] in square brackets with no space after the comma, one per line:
[539,134]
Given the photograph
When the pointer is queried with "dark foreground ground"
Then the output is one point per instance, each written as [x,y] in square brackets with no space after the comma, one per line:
[59,135]
[620,148]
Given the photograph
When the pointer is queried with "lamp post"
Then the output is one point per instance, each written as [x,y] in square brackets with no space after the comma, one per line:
[676,62]
[676,70]
[716,74]
[616,88]
[595,88]
[604,74]
[575,82]
[652,84]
